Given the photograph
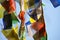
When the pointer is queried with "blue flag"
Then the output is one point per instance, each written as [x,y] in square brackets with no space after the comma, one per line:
[55,3]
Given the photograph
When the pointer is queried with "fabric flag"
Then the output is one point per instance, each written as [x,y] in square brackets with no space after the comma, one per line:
[26,7]
[11,34]
[39,23]
[14,18]
[55,3]
[35,26]
[7,20]
[9,16]
[1,11]
[10,7]
[26,4]
[21,16]
[33,14]
[22,35]
[36,20]
[22,27]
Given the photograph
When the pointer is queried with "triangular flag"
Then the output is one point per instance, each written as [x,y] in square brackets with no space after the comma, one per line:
[11,34]
[14,18]
[55,3]
[7,20]
[9,6]
[22,33]
[1,11]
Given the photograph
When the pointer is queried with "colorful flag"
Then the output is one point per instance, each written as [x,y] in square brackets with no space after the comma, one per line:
[37,28]
[9,6]
[9,15]
[39,24]
[11,34]
[22,25]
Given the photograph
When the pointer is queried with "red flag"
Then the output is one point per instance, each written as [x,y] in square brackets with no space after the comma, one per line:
[37,26]
[21,16]
[9,5]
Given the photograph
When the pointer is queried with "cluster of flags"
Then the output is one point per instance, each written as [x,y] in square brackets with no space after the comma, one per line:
[36,28]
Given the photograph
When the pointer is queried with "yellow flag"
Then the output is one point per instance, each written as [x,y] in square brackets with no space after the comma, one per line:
[11,34]
[1,11]
[15,29]
[32,20]
[25,4]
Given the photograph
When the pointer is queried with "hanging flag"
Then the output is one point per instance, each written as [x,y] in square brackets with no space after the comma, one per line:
[9,5]
[1,11]
[5,4]
[55,3]
[22,32]
[9,17]
[7,20]
[12,5]
[26,4]
[12,8]
[22,27]
[32,12]
[15,29]
[21,16]
[35,15]
[32,20]
[14,18]
[11,34]
[36,20]
[40,35]
[39,25]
